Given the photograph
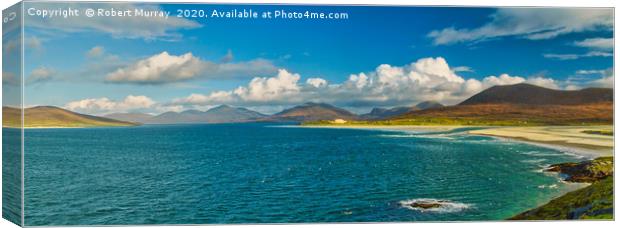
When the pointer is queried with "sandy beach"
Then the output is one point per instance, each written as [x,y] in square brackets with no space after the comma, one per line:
[418,128]
[592,145]
[572,138]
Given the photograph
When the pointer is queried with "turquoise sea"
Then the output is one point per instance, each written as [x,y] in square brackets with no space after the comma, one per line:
[270,173]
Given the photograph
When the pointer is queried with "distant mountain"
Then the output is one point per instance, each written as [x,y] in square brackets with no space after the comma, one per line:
[383,113]
[535,95]
[50,116]
[525,103]
[428,105]
[312,112]
[225,113]
[130,117]
[188,116]
[219,114]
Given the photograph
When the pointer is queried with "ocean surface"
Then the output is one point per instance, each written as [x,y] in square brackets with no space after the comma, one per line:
[269,173]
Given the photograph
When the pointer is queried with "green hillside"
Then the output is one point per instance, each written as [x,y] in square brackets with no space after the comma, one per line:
[49,116]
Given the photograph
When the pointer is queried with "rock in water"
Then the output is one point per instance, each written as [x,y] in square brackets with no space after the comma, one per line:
[586,171]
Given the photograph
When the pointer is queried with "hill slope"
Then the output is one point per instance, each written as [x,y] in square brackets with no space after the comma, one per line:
[513,115]
[219,114]
[312,112]
[535,95]
[383,113]
[130,117]
[522,104]
[50,116]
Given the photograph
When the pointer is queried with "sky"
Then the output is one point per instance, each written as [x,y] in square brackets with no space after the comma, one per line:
[376,57]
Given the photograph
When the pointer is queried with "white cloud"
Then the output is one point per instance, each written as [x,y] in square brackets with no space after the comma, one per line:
[30,43]
[9,78]
[529,23]
[577,56]
[159,68]
[597,43]
[462,69]
[606,79]
[135,27]
[424,79]
[165,68]
[590,72]
[105,105]
[604,82]
[40,74]
[282,88]
[544,82]
[561,56]
[503,79]
[268,89]
[316,82]
[96,51]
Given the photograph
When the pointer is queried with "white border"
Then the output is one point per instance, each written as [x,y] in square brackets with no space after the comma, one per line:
[559,3]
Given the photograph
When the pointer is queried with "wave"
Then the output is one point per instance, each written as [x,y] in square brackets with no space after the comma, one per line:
[543,154]
[535,161]
[434,205]
[551,186]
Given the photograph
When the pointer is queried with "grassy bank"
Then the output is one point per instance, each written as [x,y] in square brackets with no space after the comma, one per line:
[592,202]
[452,121]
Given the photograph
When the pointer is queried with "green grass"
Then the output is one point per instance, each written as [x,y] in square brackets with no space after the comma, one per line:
[456,121]
[593,202]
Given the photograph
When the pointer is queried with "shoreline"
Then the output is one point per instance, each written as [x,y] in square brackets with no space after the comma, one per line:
[567,138]
[417,128]
[571,138]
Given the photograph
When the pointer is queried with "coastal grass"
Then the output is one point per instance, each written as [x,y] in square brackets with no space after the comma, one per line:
[594,202]
[600,132]
[54,117]
[458,121]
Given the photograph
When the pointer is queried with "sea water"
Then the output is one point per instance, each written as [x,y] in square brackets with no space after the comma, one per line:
[267,173]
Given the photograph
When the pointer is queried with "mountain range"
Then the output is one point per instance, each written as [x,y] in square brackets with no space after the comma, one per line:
[384,113]
[527,103]
[519,102]
[536,95]
[219,114]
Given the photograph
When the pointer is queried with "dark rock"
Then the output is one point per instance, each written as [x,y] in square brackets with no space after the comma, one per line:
[586,171]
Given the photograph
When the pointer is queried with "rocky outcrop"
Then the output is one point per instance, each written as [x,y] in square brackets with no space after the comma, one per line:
[586,171]
[592,202]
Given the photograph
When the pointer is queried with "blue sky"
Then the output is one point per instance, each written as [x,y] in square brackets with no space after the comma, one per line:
[379,56]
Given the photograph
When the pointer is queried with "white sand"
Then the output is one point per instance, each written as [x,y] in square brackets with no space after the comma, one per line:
[566,136]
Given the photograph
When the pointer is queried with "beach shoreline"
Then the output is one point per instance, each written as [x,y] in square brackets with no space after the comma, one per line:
[572,138]
[567,138]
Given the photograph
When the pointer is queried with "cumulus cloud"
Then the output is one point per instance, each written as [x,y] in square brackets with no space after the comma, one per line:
[316,82]
[96,51]
[529,23]
[39,75]
[166,68]
[605,80]
[422,80]
[151,28]
[596,43]
[159,68]
[105,105]
[31,43]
